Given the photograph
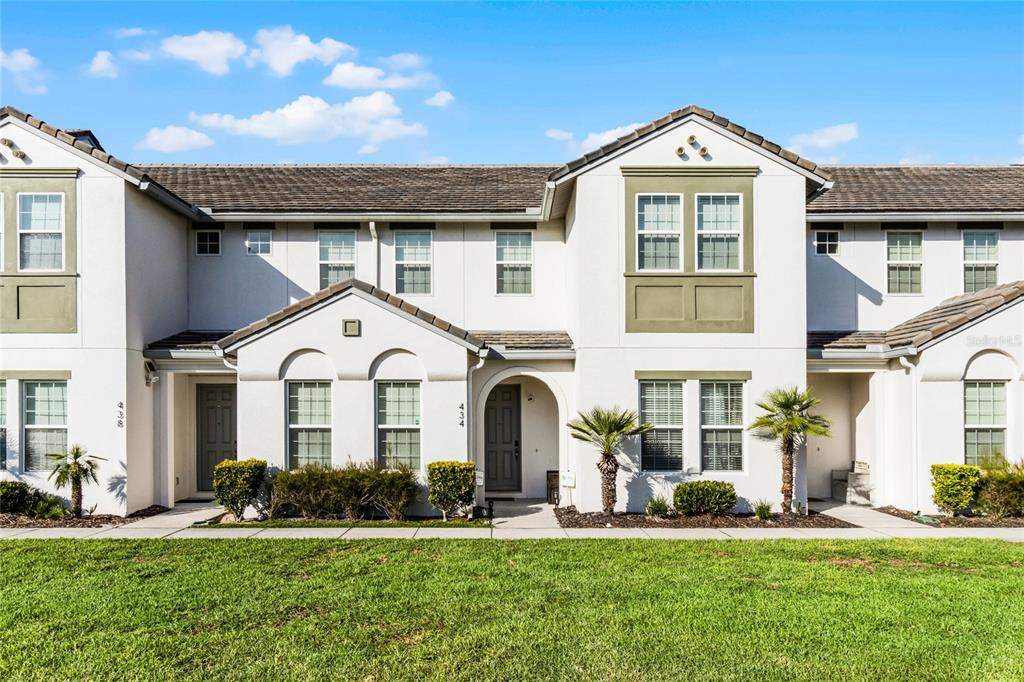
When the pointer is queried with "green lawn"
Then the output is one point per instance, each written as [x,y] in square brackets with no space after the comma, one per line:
[368,523]
[496,610]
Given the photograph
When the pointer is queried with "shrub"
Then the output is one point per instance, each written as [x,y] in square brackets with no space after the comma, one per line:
[954,486]
[237,483]
[306,491]
[394,491]
[452,486]
[763,510]
[1001,494]
[14,497]
[657,506]
[46,506]
[354,491]
[704,497]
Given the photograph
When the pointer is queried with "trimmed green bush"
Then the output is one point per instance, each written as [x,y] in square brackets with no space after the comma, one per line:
[1001,494]
[237,483]
[657,506]
[21,498]
[704,497]
[452,486]
[394,491]
[354,491]
[763,510]
[954,486]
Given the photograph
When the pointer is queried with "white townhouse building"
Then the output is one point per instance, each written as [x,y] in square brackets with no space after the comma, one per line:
[168,317]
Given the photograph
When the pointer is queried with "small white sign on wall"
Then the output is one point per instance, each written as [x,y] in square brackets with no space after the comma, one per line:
[567,479]
[479,477]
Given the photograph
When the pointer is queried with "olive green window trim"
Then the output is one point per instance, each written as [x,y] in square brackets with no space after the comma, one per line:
[35,375]
[34,304]
[702,172]
[14,184]
[706,375]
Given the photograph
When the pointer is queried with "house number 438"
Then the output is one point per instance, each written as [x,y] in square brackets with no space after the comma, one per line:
[120,415]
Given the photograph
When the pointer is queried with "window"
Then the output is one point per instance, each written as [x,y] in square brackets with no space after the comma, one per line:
[659,222]
[337,257]
[981,260]
[661,404]
[45,419]
[3,425]
[514,257]
[826,243]
[719,226]
[208,243]
[398,423]
[903,256]
[1,232]
[41,232]
[257,242]
[309,423]
[721,425]
[413,255]
[985,423]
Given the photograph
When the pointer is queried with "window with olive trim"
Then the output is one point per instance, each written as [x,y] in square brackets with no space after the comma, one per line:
[337,256]
[41,232]
[719,230]
[721,424]
[985,423]
[981,260]
[45,421]
[659,228]
[514,262]
[903,262]
[398,424]
[661,405]
[309,423]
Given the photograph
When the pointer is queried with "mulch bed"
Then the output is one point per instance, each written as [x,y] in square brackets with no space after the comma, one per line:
[94,521]
[957,521]
[569,517]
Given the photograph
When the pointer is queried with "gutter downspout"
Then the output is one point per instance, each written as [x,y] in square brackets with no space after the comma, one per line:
[376,250]
[470,426]
[915,476]
[549,197]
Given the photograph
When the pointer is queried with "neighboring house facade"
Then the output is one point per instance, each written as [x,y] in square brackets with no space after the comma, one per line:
[169,317]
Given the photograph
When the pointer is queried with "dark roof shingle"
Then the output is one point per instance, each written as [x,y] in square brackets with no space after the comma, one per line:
[526,340]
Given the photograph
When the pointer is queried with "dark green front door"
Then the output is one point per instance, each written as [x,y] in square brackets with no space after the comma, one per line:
[215,430]
[503,434]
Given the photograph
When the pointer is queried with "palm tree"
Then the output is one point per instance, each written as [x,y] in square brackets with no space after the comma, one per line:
[787,421]
[605,429]
[74,466]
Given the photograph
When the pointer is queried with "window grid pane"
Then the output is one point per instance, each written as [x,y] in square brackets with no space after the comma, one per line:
[332,274]
[718,213]
[658,252]
[412,279]
[721,416]
[44,416]
[337,257]
[412,247]
[398,403]
[718,252]
[904,279]
[40,212]
[514,247]
[308,446]
[309,402]
[985,447]
[904,247]
[257,242]
[978,277]
[981,247]
[985,403]
[826,243]
[661,404]
[208,243]
[719,223]
[413,252]
[721,450]
[661,450]
[41,251]
[400,447]
[658,213]
[515,279]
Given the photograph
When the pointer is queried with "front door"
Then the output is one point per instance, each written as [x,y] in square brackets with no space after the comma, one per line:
[215,430]
[503,433]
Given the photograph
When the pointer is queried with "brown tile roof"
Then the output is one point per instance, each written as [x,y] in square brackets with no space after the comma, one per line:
[668,119]
[339,288]
[931,324]
[356,188]
[870,189]
[526,340]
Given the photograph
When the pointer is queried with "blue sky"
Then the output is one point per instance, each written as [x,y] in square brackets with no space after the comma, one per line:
[513,83]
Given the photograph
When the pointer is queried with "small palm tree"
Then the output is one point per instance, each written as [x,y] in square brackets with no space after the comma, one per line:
[786,420]
[73,467]
[606,429]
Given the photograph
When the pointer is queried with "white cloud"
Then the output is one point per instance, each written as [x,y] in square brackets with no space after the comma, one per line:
[824,138]
[374,118]
[174,139]
[595,140]
[131,32]
[281,49]
[136,55]
[558,134]
[369,149]
[358,77]
[404,60]
[915,159]
[24,70]
[211,51]
[441,98]
[102,65]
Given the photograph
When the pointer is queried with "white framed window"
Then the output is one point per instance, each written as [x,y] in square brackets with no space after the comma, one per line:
[719,232]
[659,229]
[309,423]
[44,421]
[985,423]
[337,256]
[414,254]
[398,424]
[981,260]
[721,425]
[661,405]
[259,242]
[513,255]
[3,424]
[826,242]
[41,232]
[904,262]
[207,242]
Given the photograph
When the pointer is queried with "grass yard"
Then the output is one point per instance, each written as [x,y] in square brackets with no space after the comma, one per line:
[496,610]
[348,523]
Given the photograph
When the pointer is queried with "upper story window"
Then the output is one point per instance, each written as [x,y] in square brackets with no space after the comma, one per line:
[398,424]
[337,256]
[258,242]
[661,405]
[981,260]
[985,423]
[719,230]
[208,242]
[659,226]
[513,254]
[903,262]
[41,232]
[721,425]
[309,423]
[45,421]
[413,258]
[826,243]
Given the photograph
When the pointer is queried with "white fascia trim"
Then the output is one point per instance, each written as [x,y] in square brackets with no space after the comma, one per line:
[700,120]
[533,215]
[205,365]
[529,354]
[911,217]
[820,366]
